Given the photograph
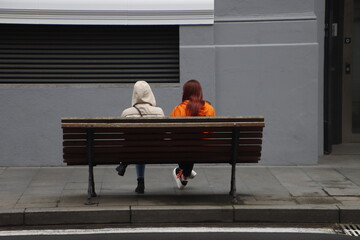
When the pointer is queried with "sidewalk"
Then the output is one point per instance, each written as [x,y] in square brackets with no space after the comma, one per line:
[325,193]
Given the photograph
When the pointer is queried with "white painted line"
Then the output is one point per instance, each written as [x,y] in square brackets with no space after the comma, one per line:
[165,230]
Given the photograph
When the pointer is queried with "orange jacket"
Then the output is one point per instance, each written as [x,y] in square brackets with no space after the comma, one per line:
[180,110]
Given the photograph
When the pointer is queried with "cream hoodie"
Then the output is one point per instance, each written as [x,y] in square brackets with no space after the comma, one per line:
[144,100]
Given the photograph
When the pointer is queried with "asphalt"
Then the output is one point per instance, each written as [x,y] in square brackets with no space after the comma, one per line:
[328,192]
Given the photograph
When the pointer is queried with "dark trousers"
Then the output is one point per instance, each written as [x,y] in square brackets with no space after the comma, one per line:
[187,168]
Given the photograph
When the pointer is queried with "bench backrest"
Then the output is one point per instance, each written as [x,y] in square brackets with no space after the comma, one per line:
[162,140]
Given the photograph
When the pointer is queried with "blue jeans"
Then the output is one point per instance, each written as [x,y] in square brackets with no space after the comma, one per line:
[140,170]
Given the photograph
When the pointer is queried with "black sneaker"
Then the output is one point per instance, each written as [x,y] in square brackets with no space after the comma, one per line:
[121,169]
[141,186]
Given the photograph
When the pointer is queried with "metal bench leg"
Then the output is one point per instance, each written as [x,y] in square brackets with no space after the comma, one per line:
[91,184]
[233,183]
[235,145]
[90,156]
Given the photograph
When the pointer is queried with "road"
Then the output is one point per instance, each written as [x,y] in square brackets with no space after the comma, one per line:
[202,233]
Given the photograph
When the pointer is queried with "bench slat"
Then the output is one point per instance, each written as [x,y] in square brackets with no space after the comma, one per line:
[163,125]
[162,149]
[142,149]
[193,156]
[163,119]
[143,130]
[247,134]
[155,143]
[115,160]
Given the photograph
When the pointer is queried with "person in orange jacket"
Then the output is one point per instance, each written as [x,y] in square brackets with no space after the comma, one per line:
[192,105]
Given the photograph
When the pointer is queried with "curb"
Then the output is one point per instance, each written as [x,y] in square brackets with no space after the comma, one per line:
[180,214]
[76,216]
[287,214]
[12,217]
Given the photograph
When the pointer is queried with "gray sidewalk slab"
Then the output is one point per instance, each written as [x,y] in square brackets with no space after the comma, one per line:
[322,193]
[297,182]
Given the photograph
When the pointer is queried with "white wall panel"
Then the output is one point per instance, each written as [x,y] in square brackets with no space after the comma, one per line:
[123,12]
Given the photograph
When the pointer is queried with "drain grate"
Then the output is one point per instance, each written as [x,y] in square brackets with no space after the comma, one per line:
[351,229]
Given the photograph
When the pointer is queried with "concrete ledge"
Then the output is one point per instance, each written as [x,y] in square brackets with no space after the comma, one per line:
[287,214]
[11,217]
[95,215]
[349,214]
[181,214]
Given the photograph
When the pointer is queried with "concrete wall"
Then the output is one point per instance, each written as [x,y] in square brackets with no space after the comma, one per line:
[261,57]
[268,61]
[320,17]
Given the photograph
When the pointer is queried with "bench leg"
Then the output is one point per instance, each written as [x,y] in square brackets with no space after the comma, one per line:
[235,145]
[91,183]
[91,186]
[233,183]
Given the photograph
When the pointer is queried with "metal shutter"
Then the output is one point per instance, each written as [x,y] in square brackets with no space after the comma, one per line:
[88,54]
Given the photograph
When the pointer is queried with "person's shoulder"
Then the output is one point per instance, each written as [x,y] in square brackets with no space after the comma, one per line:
[179,110]
[157,110]
[208,105]
[181,105]
[128,111]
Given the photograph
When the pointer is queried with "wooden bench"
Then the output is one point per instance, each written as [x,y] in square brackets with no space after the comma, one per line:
[95,141]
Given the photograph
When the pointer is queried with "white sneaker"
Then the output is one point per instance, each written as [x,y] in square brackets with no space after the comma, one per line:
[193,174]
[179,178]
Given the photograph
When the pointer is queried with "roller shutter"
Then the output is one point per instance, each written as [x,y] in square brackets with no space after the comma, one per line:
[88,54]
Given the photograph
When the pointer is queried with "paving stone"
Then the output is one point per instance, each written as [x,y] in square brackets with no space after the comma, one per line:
[352,174]
[317,200]
[333,182]
[36,205]
[19,173]
[76,186]
[44,190]
[347,190]
[348,200]
[44,198]
[50,176]
[73,198]
[270,202]
[109,198]
[8,199]
[260,182]
[81,174]
[297,182]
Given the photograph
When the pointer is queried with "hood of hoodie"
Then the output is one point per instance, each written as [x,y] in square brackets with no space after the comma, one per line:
[143,94]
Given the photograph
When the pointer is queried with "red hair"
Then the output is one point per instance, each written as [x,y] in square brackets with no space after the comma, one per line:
[192,91]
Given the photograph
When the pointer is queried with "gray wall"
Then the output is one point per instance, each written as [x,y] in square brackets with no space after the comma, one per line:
[261,57]
[320,17]
[268,61]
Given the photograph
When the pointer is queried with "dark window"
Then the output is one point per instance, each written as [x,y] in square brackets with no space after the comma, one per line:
[88,54]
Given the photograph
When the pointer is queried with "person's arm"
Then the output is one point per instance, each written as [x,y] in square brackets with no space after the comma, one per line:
[213,112]
[210,111]
[162,113]
[123,114]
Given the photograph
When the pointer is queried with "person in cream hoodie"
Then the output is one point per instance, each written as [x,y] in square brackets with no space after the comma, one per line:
[143,105]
